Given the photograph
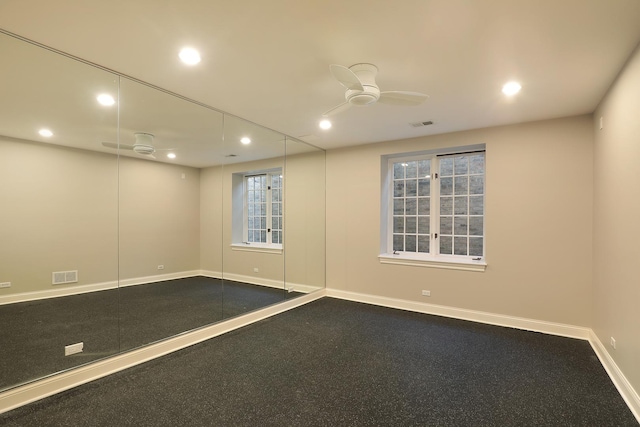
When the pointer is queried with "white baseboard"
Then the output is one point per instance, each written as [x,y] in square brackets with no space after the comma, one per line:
[628,393]
[464,314]
[94,287]
[261,281]
[36,390]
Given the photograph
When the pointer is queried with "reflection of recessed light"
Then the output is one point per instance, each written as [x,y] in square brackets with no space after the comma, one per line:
[106,99]
[325,124]
[171,155]
[511,88]
[404,164]
[45,132]
[189,56]
[245,140]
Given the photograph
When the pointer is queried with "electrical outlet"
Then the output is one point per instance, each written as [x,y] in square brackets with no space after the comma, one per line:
[5,285]
[426,293]
[613,343]
[73,349]
[256,270]
[161,267]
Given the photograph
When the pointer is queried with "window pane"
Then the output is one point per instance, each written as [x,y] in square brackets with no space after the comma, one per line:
[398,207]
[412,187]
[423,244]
[249,184]
[446,166]
[424,206]
[398,188]
[256,236]
[446,205]
[424,224]
[446,186]
[275,195]
[460,246]
[445,245]
[410,243]
[410,223]
[398,242]
[411,206]
[263,236]
[476,184]
[275,209]
[398,224]
[250,223]
[476,205]
[475,246]
[476,163]
[279,223]
[398,171]
[460,165]
[461,185]
[275,238]
[412,170]
[460,206]
[424,187]
[424,168]
[475,226]
[263,209]
[446,225]
[460,225]
[250,209]
[263,222]
[274,223]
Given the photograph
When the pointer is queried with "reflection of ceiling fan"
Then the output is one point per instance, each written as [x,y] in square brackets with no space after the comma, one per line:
[359,79]
[143,145]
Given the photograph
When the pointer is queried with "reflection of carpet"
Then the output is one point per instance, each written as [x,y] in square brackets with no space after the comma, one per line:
[340,363]
[33,334]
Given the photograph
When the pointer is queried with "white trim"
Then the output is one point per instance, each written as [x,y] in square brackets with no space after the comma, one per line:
[36,390]
[268,248]
[623,385]
[95,287]
[440,262]
[271,283]
[464,314]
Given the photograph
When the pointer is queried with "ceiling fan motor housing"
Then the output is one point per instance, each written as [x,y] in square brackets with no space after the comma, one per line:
[367,75]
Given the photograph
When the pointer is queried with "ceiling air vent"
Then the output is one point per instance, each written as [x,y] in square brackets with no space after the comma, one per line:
[420,124]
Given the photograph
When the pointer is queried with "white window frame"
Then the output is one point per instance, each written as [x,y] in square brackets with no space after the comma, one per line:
[268,246]
[433,258]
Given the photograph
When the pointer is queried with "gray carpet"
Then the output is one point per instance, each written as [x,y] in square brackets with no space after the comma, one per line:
[34,333]
[339,363]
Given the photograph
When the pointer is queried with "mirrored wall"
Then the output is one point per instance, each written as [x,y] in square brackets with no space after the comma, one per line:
[130,215]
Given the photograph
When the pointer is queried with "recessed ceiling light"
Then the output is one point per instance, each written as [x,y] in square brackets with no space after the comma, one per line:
[171,155]
[45,132]
[245,140]
[189,56]
[511,88]
[106,99]
[325,124]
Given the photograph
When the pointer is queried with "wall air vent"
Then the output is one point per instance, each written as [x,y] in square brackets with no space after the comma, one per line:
[420,124]
[62,277]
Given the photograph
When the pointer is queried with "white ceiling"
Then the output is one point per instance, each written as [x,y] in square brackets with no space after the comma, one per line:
[268,61]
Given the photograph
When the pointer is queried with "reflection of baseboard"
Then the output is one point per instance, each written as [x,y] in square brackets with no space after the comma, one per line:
[95,287]
[277,284]
[83,289]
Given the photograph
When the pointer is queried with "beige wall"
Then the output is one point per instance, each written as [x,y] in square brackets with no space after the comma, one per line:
[616,221]
[61,211]
[159,218]
[539,183]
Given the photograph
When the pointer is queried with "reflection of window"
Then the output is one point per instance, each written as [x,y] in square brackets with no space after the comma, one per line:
[263,208]
[436,206]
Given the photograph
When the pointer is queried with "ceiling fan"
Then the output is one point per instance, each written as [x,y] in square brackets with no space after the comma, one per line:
[143,145]
[359,79]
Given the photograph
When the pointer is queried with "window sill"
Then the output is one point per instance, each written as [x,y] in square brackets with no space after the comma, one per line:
[257,247]
[450,263]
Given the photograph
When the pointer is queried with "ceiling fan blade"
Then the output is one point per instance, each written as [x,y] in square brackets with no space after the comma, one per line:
[399,97]
[116,146]
[346,77]
[338,109]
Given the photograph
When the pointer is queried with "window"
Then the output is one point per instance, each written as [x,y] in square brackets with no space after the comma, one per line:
[435,208]
[263,208]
